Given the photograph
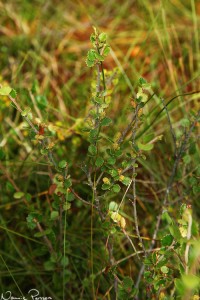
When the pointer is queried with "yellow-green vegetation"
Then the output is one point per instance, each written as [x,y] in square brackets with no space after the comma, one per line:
[99,157]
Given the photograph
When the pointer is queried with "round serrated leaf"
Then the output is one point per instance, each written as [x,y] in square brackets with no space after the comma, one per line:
[164,269]
[185,122]
[106,121]
[13,93]
[105,186]
[116,188]
[66,206]
[99,57]
[92,150]
[67,183]
[106,51]
[5,91]
[89,63]
[41,101]
[44,151]
[91,55]
[111,160]
[54,215]
[126,181]
[113,206]
[167,240]
[62,164]
[127,283]
[99,162]
[113,172]
[142,81]
[116,217]
[102,37]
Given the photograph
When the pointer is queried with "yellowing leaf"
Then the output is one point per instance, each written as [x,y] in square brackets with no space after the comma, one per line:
[122,223]
[116,217]
[5,91]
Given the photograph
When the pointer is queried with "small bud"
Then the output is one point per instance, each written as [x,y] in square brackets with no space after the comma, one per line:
[121,177]
[106,180]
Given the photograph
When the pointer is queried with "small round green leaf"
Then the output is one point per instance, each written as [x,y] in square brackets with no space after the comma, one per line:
[127,283]
[62,164]
[102,37]
[99,162]
[91,55]
[5,91]
[106,121]
[13,94]
[106,51]
[66,206]
[164,269]
[41,101]
[167,240]
[113,172]
[113,206]
[111,160]
[89,63]
[185,122]
[126,181]
[116,188]
[105,186]
[92,150]
[67,183]
[18,195]
[54,215]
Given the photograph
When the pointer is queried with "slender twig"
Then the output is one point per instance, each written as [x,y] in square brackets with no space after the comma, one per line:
[127,129]
[127,258]
[81,199]
[129,126]
[98,80]
[134,202]
[128,187]
[26,118]
[133,246]
[47,241]
[166,105]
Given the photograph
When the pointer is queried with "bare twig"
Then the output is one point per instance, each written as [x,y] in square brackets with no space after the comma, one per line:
[134,202]
[81,199]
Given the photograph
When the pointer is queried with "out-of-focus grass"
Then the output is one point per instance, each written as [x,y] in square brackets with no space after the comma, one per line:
[47,41]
